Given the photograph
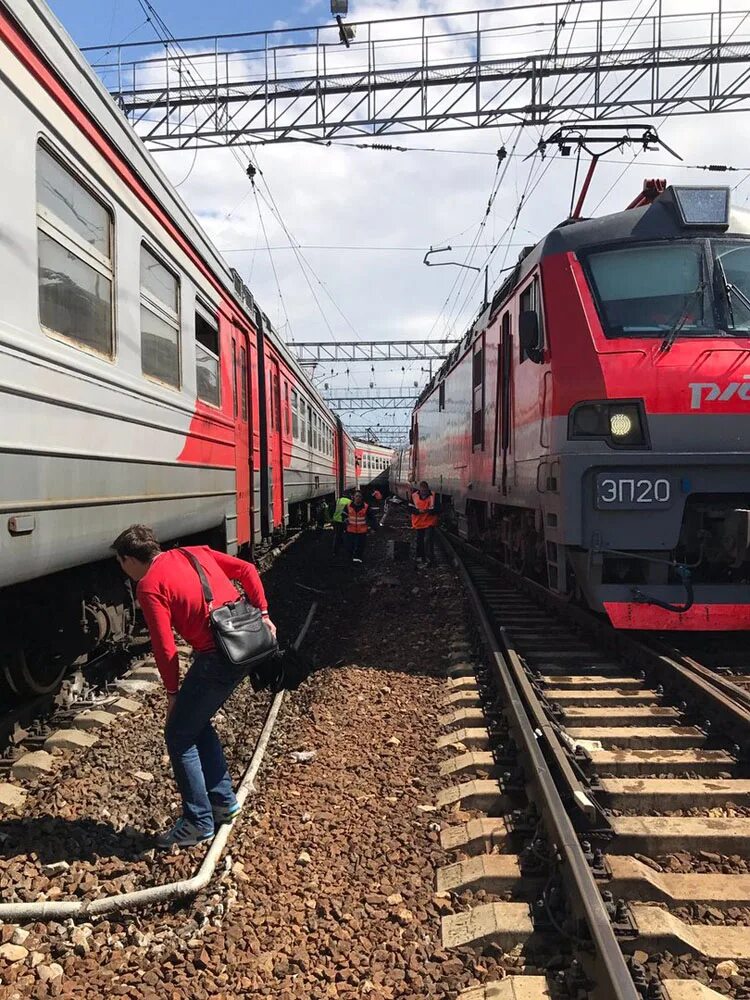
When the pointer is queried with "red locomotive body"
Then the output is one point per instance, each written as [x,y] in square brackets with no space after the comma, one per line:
[593,423]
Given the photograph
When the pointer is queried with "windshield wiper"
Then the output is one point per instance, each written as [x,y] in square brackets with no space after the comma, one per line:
[682,320]
[730,290]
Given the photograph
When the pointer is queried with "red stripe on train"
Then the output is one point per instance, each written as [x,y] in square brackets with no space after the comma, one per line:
[708,617]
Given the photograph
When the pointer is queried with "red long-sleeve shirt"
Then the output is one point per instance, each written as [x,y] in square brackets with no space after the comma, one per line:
[171,596]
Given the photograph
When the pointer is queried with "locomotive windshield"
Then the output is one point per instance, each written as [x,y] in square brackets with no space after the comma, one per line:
[681,288]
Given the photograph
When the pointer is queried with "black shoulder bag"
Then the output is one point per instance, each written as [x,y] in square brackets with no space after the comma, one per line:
[246,643]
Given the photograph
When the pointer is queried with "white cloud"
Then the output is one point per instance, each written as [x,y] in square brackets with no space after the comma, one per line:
[348,197]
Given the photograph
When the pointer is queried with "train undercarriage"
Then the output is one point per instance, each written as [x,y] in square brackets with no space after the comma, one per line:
[713,551]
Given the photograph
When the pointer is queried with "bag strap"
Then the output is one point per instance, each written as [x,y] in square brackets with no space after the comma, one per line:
[208,597]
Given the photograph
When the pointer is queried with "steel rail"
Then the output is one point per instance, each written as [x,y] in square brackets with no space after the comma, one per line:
[183,889]
[578,791]
[717,696]
[616,982]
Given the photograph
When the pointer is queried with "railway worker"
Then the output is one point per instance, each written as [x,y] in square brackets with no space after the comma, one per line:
[170,595]
[376,502]
[425,511]
[322,514]
[360,518]
[338,520]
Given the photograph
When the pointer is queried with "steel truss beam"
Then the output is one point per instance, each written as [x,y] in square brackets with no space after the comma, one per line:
[350,403]
[372,350]
[388,439]
[518,65]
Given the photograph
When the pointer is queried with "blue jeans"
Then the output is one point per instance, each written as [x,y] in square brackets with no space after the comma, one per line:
[198,762]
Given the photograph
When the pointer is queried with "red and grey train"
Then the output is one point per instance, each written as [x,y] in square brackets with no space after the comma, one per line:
[593,425]
[139,379]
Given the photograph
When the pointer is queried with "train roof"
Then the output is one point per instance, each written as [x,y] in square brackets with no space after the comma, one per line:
[663,219]
[371,445]
[67,61]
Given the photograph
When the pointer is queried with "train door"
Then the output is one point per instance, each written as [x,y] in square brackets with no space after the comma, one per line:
[275,444]
[340,457]
[505,368]
[243,452]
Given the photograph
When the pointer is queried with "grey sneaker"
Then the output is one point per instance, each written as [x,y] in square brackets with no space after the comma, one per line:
[184,834]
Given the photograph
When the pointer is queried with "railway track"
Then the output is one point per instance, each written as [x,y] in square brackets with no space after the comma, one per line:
[613,779]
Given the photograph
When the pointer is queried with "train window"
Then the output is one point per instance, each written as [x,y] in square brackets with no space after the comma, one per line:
[647,290]
[207,355]
[441,396]
[286,408]
[477,383]
[160,320]
[529,302]
[234,377]
[243,381]
[295,415]
[277,402]
[302,421]
[309,425]
[76,273]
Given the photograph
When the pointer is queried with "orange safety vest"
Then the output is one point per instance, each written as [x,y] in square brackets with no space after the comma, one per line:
[427,518]
[357,519]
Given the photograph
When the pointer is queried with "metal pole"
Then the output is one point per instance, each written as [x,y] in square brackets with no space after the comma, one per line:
[478,75]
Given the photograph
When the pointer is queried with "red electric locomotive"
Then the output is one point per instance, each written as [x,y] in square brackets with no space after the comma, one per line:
[593,423]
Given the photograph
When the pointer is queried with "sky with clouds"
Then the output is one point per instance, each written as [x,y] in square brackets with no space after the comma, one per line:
[365,218]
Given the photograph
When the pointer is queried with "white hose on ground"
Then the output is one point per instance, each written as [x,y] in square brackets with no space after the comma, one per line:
[64,909]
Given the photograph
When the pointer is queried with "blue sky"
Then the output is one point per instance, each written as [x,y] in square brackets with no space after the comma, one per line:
[116,19]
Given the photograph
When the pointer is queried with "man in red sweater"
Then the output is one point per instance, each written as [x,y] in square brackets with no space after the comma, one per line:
[170,595]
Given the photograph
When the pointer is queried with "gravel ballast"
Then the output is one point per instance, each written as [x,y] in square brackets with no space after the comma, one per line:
[328,886]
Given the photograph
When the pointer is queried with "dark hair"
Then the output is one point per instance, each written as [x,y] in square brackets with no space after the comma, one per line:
[423,482]
[138,541]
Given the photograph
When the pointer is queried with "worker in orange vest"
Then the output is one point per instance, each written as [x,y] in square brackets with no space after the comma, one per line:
[359,518]
[425,511]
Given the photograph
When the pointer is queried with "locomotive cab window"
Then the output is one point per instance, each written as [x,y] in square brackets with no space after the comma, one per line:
[207,355]
[649,290]
[75,256]
[160,321]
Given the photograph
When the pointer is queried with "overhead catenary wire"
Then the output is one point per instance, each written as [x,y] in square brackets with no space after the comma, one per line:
[460,279]
[161,28]
[385,147]
[273,264]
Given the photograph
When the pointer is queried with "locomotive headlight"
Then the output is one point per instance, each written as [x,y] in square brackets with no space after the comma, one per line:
[620,424]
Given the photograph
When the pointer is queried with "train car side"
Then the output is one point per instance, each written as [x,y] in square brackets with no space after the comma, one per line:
[138,375]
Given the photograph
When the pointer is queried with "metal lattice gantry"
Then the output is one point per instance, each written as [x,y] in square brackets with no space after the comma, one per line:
[530,64]
[345,400]
[389,437]
[312,352]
